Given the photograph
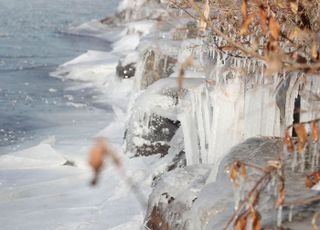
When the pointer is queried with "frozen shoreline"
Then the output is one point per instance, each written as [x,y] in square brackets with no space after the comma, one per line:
[40,191]
[150,119]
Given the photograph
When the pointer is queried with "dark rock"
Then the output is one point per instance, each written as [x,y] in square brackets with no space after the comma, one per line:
[156,220]
[70,163]
[179,161]
[126,71]
[212,212]
[170,203]
[160,132]
[156,66]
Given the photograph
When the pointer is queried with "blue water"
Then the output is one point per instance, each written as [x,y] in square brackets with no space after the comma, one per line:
[33,105]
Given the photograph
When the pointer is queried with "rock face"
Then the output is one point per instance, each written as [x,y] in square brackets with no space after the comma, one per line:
[125,71]
[153,122]
[153,66]
[182,199]
[152,136]
[173,196]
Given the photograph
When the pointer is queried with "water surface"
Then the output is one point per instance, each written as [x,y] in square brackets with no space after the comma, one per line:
[33,105]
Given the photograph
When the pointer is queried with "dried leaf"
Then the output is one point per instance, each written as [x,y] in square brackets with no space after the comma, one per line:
[294,7]
[274,28]
[187,63]
[302,136]
[245,25]
[315,131]
[274,63]
[244,171]
[312,179]
[228,48]
[99,151]
[288,141]
[274,164]
[234,173]
[263,19]
[203,21]
[297,34]
[97,154]
[281,192]
[256,219]
[96,157]
[314,49]
[241,222]
[244,9]
[314,221]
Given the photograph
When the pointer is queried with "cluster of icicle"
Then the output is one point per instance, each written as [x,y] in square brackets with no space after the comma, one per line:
[222,65]
[303,150]
[230,107]
[254,199]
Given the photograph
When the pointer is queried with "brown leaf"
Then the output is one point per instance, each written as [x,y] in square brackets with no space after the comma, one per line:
[281,192]
[274,63]
[263,19]
[245,25]
[99,151]
[244,9]
[244,171]
[312,179]
[302,136]
[234,173]
[96,158]
[298,34]
[203,21]
[314,48]
[241,221]
[228,48]
[288,141]
[314,221]
[274,164]
[256,219]
[315,131]
[294,7]
[274,28]
[187,63]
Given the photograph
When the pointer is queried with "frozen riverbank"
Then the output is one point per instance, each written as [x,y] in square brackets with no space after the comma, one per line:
[178,136]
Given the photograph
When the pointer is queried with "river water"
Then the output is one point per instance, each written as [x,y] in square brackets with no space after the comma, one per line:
[33,105]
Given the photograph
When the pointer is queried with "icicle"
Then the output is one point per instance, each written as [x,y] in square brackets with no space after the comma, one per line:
[317,157]
[290,213]
[314,157]
[165,64]
[201,128]
[279,217]
[303,159]
[273,181]
[236,194]
[294,160]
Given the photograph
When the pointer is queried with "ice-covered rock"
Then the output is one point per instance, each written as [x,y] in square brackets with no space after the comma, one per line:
[183,200]
[153,122]
[173,196]
[152,66]
[93,66]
